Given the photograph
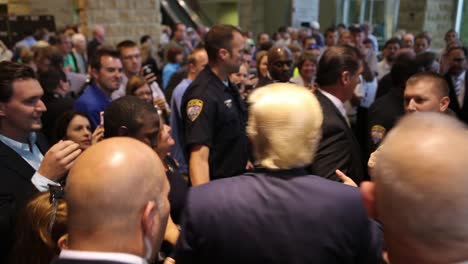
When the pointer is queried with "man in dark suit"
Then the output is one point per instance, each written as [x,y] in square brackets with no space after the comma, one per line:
[99,34]
[280,213]
[337,75]
[104,225]
[24,168]
[458,85]
[56,88]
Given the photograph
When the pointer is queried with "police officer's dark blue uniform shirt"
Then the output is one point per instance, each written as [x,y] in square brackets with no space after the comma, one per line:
[214,116]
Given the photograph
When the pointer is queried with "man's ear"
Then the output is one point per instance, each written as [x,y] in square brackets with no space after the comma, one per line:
[444,103]
[94,73]
[223,54]
[368,197]
[62,243]
[149,221]
[345,77]
[122,131]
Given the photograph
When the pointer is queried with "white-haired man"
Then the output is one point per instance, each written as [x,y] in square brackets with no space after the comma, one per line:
[419,192]
[79,52]
[280,213]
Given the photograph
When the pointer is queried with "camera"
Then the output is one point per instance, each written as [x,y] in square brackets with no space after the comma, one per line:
[147,70]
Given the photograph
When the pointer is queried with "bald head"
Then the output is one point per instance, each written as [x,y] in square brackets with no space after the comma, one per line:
[109,200]
[420,189]
[280,64]
[408,41]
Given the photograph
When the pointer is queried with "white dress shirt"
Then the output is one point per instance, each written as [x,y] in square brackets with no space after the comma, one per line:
[459,85]
[337,102]
[102,256]
[383,67]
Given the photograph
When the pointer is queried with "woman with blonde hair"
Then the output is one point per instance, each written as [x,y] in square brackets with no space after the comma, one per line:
[41,230]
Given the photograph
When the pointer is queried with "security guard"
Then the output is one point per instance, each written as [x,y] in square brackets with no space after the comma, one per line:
[385,111]
[214,117]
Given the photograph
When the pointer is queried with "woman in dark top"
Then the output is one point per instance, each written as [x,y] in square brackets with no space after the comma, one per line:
[178,192]
[179,185]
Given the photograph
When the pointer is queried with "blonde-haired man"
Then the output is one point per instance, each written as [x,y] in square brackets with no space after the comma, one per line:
[279,213]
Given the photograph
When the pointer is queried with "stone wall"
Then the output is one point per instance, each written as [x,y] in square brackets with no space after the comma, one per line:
[464,26]
[252,15]
[434,16]
[412,15]
[264,15]
[440,17]
[122,19]
[19,7]
[63,10]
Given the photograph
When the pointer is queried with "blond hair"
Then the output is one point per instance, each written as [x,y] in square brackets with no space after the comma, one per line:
[285,122]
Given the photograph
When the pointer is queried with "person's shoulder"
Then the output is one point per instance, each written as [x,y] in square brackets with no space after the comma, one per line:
[203,87]
[85,100]
[379,104]
[180,88]
[222,192]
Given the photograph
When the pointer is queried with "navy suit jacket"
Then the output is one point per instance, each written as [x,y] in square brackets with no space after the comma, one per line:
[277,217]
[338,148]
[16,189]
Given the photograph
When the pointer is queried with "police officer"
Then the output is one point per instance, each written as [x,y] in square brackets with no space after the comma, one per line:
[214,117]
[386,110]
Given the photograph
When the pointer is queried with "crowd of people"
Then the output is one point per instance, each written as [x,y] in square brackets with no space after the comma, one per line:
[209,146]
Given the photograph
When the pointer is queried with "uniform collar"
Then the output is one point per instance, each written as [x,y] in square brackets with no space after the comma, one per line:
[226,83]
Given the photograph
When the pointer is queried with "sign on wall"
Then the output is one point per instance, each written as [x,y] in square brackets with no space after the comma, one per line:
[304,11]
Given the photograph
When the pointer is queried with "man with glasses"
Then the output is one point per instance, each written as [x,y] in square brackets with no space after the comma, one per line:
[130,55]
[214,116]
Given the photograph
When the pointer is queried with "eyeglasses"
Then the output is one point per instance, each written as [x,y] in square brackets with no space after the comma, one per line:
[148,93]
[56,193]
[131,56]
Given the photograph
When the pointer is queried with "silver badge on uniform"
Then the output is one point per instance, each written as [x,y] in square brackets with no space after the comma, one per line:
[228,103]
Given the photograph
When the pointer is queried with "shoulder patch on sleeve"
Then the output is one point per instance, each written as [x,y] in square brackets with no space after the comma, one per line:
[194,108]
[377,133]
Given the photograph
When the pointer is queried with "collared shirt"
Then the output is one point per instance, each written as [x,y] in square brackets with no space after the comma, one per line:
[92,102]
[168,71]
[102,256]
[459,85]
[26,42]
[383,68]
[33,156]
[337,102]
[177,124]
